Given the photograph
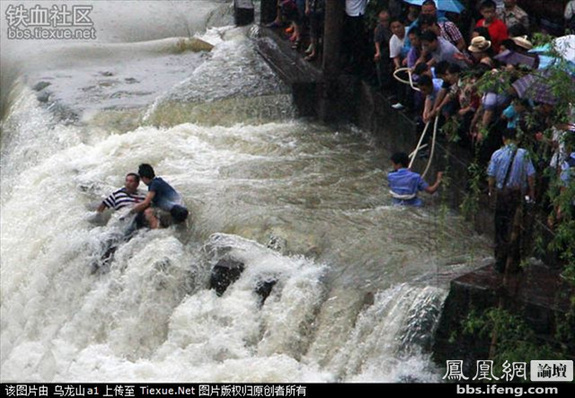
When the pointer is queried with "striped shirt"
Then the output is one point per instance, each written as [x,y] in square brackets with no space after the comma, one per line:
[521,167]
[122,198]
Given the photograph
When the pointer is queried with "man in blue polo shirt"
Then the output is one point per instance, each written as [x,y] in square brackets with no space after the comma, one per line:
[162,196]
[511,176]
[405,184]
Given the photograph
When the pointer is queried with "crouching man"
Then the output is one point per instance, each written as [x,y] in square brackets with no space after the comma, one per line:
[161,197]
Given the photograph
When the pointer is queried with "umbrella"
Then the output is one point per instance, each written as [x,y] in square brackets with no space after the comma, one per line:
[565,46]
[510,57]
[442,5]
[535,86]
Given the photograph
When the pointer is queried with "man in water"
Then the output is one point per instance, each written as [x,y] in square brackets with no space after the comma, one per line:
[404,184]
[128,195]
[161,196]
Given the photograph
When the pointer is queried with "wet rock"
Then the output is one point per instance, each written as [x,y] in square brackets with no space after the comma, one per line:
[224,273]
[43,96]
[277,243]
[41,85]
[264,289]
[227,271]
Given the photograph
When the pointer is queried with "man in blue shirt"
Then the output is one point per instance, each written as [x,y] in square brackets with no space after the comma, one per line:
[405,184]
[162,196]
[511,176]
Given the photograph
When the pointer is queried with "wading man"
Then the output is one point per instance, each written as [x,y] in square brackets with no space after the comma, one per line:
[405,184]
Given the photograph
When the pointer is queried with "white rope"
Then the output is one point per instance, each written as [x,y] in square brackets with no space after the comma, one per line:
[414,151]
[418,146]
[413,154]
[410,81]
[432,147]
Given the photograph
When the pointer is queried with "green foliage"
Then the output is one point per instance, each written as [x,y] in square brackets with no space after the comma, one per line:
[514,340]
[470,205]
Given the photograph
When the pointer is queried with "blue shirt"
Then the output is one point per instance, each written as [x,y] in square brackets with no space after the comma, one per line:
[521,168]
[567,170]
[512,116]
[166,196]
[406,182]
[437,86]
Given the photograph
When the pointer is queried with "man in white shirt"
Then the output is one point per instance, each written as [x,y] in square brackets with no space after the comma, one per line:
[355,8]
[396,47]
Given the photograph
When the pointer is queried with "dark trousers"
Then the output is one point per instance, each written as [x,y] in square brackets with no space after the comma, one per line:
[354,44]
[508,230]
[384,72]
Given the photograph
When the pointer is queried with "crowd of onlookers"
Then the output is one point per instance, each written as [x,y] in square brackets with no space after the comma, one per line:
[433,67]
[473,81]
[427,63]
[486,90]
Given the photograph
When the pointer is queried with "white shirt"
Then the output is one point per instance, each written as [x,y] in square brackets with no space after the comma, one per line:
[395,46]
[355,8]
[569,9]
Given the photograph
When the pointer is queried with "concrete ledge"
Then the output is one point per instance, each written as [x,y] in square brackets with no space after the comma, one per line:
[300,75]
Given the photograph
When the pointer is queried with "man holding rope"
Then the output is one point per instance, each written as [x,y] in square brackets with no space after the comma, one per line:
[405,184]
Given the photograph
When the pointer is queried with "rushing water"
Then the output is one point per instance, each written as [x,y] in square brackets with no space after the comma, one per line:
[359,283]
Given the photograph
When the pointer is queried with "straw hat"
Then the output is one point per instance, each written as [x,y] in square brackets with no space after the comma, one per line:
[479,44]
[522,42]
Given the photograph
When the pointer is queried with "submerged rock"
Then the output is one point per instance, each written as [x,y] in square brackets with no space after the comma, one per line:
[224,273]
[227,271]
[264,289]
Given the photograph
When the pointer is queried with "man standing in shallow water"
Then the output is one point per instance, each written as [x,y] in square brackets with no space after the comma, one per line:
[404,184]
[161,197]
